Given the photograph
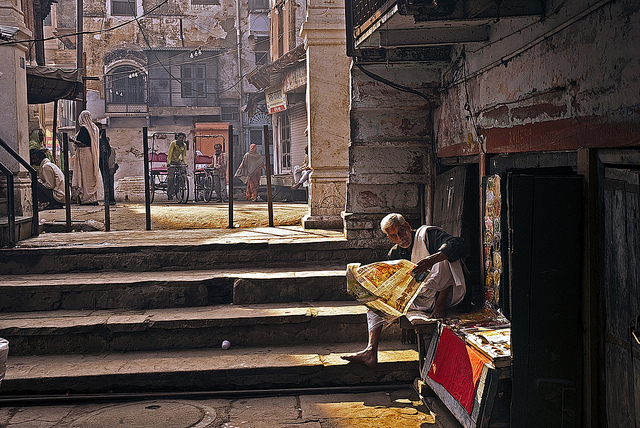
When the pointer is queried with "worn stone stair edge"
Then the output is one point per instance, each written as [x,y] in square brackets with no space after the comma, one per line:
[236,368]
[150,317]
[123,246]
[115,277]
[176,330]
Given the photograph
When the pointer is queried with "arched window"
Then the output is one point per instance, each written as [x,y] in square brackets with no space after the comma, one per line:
[126,84]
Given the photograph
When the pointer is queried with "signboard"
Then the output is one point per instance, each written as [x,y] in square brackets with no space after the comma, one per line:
[295,78]
[276,100]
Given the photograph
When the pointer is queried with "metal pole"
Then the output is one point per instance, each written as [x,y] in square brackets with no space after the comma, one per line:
[230,171]
[106,180]
[241,135]
[67,192]
[265,133]
[147,200]
[55,130]
[79,51]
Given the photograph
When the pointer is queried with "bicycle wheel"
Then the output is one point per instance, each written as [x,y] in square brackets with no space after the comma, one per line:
[152,188]
[178,185]
[185,189]
[208,187]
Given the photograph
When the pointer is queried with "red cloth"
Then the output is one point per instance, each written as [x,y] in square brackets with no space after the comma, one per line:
[457,368]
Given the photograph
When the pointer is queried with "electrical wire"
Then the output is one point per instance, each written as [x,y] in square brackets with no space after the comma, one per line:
[402,88]
[13,42]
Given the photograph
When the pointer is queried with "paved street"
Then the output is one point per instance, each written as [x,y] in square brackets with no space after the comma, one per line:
[167,215]
[381,409]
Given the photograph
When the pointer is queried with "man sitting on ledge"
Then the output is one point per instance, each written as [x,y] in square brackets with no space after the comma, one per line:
[431,248]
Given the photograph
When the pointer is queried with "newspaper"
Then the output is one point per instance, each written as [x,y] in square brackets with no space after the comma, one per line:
[388,287]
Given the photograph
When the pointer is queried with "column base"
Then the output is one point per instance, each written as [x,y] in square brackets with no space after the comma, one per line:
[322,222]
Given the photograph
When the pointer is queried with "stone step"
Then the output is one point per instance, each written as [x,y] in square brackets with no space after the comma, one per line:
[23,230]
[161,250]
[212,369]
[100,331]
[145,290]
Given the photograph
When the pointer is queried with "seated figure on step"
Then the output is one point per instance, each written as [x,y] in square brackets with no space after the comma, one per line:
[431,248]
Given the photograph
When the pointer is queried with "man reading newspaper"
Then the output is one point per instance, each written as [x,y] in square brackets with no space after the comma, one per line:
[433,251]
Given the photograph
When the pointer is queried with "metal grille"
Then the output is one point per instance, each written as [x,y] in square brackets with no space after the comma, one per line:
[365,9]
[123,8]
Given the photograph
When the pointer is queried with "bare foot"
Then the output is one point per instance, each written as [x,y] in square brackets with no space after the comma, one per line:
[368,357]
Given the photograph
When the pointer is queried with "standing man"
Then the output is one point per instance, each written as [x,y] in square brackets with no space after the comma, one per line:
[250,171]
[108,165]
[86,167]
[50,181]
[219,165]
[431,248]
[176,158]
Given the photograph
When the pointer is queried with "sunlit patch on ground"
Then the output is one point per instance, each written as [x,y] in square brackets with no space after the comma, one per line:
[131,216]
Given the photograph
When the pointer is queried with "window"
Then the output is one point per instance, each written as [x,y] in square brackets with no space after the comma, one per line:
[193,81]
[206,2]
[285,139]
[123,7]
[258,5]
[178,79]
[280,34]
[230,113]
[261,49]
[47,20]
[125,85]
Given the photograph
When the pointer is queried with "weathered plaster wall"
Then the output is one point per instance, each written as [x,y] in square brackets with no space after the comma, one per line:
[176,24]
[568,82]
[390,149]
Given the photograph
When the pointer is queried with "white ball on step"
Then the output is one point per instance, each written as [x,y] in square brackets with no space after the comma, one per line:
[226,344]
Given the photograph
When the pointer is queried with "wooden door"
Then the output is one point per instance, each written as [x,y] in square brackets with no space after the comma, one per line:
[621,296]
[545,248]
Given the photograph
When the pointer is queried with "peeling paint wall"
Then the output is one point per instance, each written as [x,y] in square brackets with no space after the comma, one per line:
[113,41]
[390,151]
[568,82]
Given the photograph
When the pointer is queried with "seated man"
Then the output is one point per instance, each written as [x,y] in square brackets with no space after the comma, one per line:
[304,170]
[50,181]
[430,248]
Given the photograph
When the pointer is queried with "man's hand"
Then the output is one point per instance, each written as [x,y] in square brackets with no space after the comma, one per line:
[428,262]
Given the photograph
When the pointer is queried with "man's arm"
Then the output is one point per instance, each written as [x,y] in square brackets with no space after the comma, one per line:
[442,246]
[47,177]
[172,147]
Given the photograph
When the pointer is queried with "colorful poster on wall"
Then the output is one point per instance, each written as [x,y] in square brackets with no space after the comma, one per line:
[492,240]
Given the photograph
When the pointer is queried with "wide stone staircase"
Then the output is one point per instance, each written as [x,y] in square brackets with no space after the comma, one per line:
[107,317]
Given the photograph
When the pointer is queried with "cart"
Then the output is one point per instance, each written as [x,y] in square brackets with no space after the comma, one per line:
[203,175]
[158,170]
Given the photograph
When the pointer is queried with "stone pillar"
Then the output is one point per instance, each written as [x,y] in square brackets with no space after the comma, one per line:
[328,112]
[14,117]
[390,152]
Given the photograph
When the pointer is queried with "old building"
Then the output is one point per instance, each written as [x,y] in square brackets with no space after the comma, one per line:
[169,66]
[307,92]
[543,96]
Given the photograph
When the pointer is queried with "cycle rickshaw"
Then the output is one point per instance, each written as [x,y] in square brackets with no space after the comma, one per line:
[203,173]
[158,170]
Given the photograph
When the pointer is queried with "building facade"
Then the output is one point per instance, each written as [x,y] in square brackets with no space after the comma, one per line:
[170,66]
[528,92]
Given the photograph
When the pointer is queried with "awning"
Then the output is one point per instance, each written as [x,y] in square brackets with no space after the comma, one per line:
[261,77]
[47,84]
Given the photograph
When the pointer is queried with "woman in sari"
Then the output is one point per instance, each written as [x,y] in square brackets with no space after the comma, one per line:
[250,171]
[86,165]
